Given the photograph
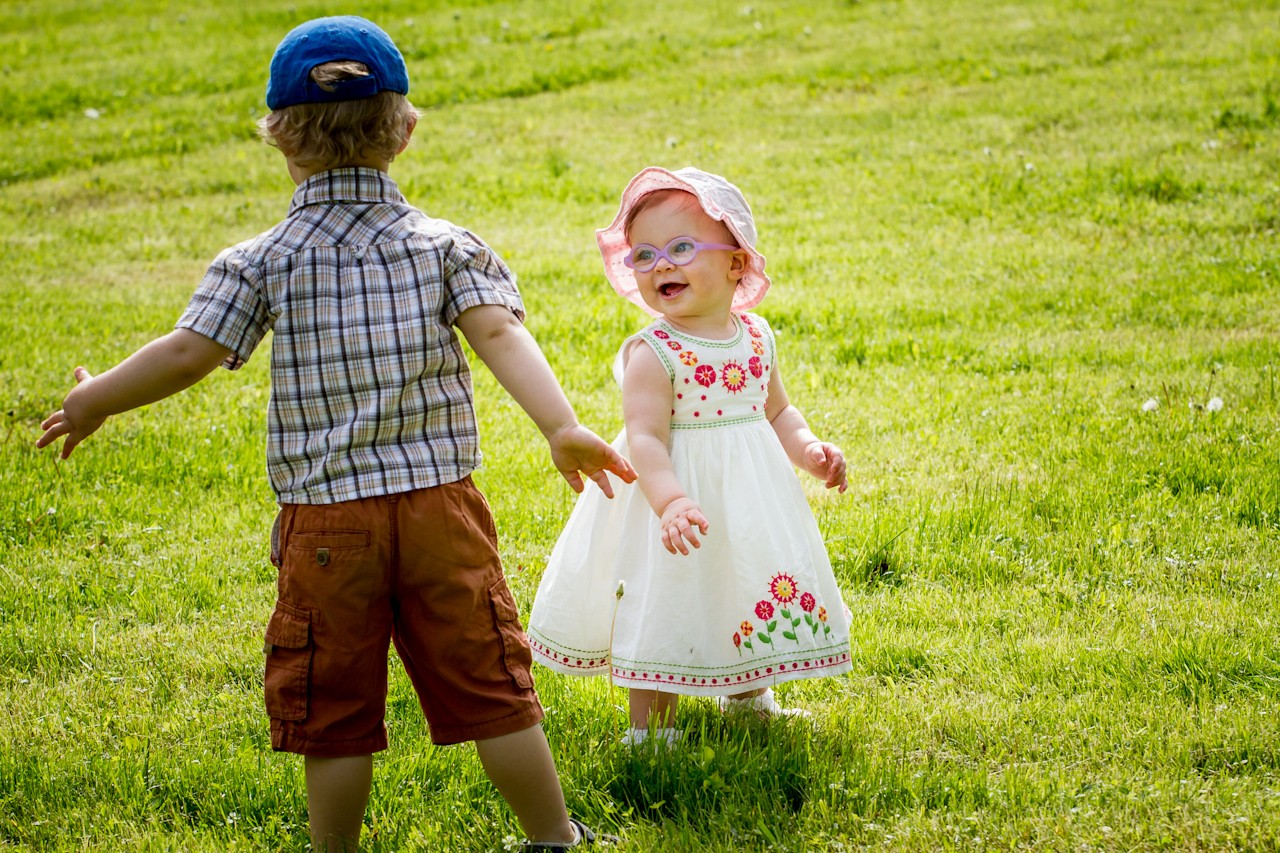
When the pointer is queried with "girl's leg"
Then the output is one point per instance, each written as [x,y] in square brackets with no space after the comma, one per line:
[652,709]
[522,769]
[760,701]
[337,793]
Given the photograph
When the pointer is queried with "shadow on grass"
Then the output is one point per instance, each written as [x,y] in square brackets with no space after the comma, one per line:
[722,764]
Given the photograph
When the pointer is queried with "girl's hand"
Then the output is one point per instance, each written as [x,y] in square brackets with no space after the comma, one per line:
[681,520]
[826,462]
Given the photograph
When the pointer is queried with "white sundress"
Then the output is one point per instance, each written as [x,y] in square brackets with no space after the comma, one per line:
[756,605]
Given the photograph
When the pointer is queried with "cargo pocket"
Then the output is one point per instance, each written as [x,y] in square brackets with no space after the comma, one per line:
[288,671]
[516,657]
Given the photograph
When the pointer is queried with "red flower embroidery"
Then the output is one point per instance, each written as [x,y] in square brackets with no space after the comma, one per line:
[808,602]
[746,318]
[764,609]
[675,345]
[755,333]
[783,588]
[746,628]
[757,348]
[687,357]
[658,333]
[733,376]
[754,366]
[705,375]
[737,640]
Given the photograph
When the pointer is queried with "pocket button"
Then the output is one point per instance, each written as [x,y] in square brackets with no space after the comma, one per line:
[322,556]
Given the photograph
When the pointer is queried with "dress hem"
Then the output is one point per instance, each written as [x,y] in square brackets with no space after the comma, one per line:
[719,684]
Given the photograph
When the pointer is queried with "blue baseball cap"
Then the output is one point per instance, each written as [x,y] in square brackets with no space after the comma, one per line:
[343,37]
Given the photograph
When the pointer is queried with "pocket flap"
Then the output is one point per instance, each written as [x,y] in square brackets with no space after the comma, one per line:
[290,627]
[504,604]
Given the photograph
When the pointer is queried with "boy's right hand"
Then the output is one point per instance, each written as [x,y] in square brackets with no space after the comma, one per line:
[681,520]
[576,450]
[62,423]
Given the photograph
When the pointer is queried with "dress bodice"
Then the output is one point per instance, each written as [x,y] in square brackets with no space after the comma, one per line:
[716,382]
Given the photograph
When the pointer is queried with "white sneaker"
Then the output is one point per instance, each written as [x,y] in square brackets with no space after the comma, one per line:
[663,737]
[764,706]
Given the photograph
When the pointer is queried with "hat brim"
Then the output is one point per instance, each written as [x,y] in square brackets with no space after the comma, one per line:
[614,245]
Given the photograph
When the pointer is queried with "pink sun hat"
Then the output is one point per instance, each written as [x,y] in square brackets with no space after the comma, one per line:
[720,200]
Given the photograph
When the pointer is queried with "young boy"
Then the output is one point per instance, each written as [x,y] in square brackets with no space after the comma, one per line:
[382,536]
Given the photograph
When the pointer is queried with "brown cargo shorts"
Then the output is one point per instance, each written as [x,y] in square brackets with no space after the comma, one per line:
[419,569]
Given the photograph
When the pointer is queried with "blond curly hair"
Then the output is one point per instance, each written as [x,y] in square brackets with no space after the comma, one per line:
[339,133]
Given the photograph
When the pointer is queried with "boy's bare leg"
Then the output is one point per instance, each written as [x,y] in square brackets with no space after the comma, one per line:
[337,794]
[652,708]
[522,769]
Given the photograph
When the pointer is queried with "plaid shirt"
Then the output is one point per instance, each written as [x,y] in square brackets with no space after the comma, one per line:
[370,388]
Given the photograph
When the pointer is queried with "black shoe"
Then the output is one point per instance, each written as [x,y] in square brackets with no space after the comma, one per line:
[586,838]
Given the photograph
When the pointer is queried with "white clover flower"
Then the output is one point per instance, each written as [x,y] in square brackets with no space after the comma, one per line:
[1151,405]
[1214,405]
[92,113]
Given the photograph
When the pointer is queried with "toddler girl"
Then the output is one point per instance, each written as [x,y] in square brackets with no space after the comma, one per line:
[711,578]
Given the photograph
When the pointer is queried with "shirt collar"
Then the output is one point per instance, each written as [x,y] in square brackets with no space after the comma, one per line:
[349,184]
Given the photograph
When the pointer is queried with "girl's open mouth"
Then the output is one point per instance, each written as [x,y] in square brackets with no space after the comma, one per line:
[671,289]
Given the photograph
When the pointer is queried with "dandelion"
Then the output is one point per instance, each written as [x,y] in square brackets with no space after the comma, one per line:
[1214,405]
[1151,405]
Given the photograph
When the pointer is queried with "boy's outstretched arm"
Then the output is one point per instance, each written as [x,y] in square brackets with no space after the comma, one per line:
[510,352]
[160,369]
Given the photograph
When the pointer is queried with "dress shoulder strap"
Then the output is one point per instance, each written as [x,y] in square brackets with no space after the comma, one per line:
[651,336]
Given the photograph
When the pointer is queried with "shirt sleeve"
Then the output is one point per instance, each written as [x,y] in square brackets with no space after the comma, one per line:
[475,275]
[229,308]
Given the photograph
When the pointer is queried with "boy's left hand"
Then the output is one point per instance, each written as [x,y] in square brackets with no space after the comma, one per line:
[826,462]
[576,450]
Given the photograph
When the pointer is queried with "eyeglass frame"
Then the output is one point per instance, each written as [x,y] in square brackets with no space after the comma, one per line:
[630,263]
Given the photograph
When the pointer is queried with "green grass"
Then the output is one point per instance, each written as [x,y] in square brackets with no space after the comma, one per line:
[995,231]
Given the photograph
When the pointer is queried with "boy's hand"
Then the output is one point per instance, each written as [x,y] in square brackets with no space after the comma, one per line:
[576,450]
[826,462]
[681,520]
[76,428]
[161,368]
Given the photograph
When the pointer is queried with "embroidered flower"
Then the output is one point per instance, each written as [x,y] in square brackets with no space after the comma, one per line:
[757,348]
[658,333]
[822,614]
[755,333]
[705,375]
[808,602]
[764,609]
[675,345]
[687,357]
[746,628]
[737,640]
[754,366]
[746,318]
[783,588]
[733,376]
